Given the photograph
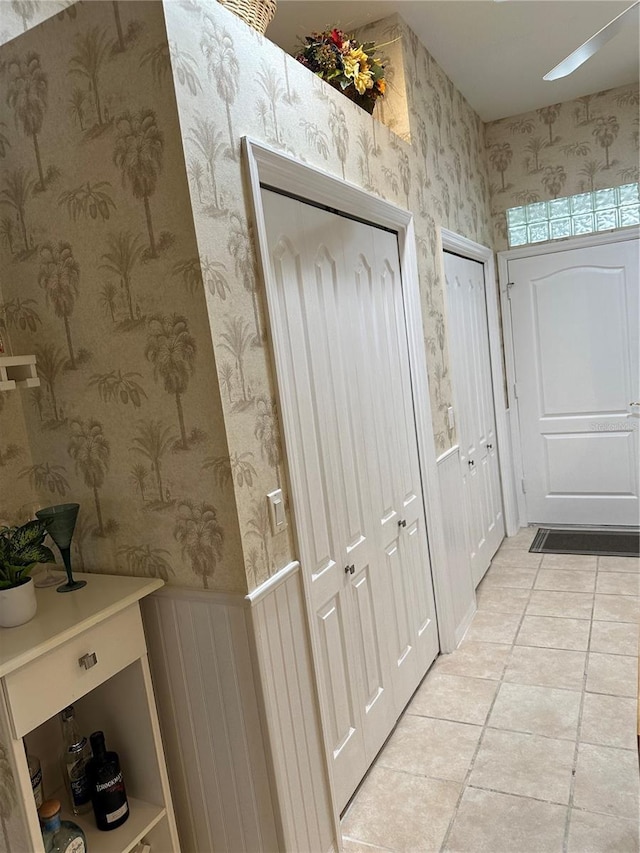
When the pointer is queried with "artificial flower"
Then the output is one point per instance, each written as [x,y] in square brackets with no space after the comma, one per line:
[346,64]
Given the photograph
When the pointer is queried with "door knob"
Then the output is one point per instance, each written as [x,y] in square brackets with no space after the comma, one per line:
[402,523]
[349,570]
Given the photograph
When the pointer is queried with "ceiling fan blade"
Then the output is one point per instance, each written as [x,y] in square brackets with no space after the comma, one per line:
[592,45]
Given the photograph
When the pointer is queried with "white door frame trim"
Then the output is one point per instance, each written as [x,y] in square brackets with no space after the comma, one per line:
[477,252]
[547,248]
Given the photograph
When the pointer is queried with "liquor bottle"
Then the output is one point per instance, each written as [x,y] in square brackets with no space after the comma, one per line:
[60,836]
[75,754]
[108,795]
[35,773]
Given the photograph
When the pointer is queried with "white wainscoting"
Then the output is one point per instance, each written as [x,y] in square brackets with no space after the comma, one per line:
[283,653]
[203,677]
[239,716]
[455,536]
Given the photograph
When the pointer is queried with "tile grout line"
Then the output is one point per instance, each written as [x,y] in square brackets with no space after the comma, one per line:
[485,726]
[465,783]
[574,768]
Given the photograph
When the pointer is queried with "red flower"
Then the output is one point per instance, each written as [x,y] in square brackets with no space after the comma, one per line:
[337,37]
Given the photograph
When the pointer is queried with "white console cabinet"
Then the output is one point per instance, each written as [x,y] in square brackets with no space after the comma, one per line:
[48,664]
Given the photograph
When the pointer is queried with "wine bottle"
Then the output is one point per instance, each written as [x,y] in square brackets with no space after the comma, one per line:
[60,836]
[75,754]
[35,773]
[108,794]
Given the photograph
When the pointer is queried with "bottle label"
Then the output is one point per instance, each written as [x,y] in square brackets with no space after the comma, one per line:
[36,785]
[76,845]
[114,783]
[80,791]
[112,817]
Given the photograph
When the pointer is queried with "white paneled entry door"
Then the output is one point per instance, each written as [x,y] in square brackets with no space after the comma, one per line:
[359,509]
[575,325]
[476,421]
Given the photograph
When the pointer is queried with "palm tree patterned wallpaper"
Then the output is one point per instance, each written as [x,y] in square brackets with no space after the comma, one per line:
[560,150]
[108,285]
[102,280]
[249,86]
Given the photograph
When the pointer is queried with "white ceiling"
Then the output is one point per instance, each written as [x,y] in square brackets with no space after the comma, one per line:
[496,53]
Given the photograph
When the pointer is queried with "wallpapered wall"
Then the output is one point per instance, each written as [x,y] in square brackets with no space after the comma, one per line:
[249,86]
[563,149]
[19,501]
[102,280]
[17,16]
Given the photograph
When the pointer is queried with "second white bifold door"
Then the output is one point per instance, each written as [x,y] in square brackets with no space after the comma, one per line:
[476,422]
[344,376]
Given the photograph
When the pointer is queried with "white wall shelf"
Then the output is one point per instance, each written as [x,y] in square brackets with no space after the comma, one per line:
[18,371]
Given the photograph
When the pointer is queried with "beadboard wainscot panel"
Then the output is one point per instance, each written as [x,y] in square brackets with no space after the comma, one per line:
[292,714]
[203,675]
[455,536]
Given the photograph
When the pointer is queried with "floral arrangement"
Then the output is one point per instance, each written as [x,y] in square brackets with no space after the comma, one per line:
[345,64]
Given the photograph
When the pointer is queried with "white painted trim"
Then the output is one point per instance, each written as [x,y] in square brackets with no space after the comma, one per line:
[464,625]
[183,593]
[256,595]
[548,248]
[457,540]
[450,452]
[288,700]
[476,251]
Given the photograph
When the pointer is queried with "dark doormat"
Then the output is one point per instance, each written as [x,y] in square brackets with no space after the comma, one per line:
[603,543]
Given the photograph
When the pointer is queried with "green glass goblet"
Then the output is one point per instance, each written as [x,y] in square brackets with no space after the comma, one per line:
[60,521]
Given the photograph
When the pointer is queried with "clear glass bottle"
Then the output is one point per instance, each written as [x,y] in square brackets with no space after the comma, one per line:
[35,772]
[108,794]
[60,836]
[75,754]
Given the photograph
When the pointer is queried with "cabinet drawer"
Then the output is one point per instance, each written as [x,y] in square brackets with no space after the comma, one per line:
[43,687]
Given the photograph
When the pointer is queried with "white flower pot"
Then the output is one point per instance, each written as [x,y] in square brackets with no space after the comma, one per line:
[18,604]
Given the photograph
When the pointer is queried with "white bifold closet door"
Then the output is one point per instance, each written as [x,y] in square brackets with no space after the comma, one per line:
[343,373]
[475,412]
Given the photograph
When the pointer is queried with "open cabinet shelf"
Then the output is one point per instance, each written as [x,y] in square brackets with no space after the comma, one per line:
[41,672]
[142,819]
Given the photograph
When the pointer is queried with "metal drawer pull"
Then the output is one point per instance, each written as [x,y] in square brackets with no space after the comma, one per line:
[402,523]
[489,446]
[349,570]
[88,660]
[635,404]
[471,463]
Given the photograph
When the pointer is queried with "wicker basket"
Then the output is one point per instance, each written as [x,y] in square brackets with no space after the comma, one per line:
[257,13]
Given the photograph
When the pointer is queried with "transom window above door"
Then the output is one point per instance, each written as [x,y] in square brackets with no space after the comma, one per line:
[585,213]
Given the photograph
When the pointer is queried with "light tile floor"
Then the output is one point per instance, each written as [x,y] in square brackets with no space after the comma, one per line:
[524,739]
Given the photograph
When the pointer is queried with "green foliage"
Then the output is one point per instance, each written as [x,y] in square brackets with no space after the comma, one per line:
[20,549]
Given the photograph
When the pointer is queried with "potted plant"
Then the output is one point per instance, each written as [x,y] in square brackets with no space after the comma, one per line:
[20,549]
